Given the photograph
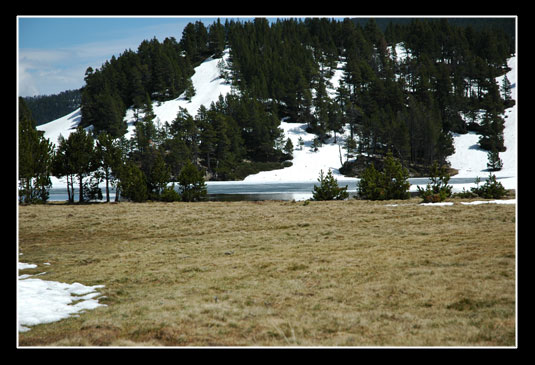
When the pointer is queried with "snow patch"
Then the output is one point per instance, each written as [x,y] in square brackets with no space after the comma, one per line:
[42,301]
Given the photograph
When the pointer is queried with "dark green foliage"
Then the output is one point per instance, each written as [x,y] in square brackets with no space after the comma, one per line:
[159,70]
[328,188]
[192,185]
[495,163]
[81,157]
[157,174]
[109,155]
[190,90]
[289,147]
[438,190]
[132,183]
[62,166]
[281,69]
[492,189]
[35,159]
[169,194]
[92,191]
[46,108]
[391,183]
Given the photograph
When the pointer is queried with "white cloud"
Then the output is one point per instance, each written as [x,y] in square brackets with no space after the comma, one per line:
[44,71]
[26,83]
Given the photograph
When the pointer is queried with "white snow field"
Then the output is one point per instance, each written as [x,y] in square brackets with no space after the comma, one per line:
[42,301]
[471,161]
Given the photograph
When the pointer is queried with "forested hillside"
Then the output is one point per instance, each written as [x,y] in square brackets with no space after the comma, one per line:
[405,90]
[46,108]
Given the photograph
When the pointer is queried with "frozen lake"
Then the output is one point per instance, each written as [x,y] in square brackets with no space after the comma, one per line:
[239,190]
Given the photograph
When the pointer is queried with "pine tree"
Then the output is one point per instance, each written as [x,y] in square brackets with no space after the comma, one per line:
[109,157]
[61,165]
[132,183]
[301,143]
[391,183]
[82,156]
[494,161]
[192,185]
[492,189]
[289,147]
[438,190]
[35,159]
[158,177]
[328,188]
[190,90]
[216,39]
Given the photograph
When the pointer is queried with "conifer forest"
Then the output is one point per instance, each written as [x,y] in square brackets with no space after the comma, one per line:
[404,106]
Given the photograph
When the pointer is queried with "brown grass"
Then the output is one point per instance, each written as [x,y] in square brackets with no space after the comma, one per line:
[351,273]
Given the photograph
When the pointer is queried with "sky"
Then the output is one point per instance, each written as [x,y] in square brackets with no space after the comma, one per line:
[54,52]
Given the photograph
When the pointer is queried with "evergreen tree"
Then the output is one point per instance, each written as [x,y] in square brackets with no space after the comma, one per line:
[328,188]
[158,177]
[132,183]
[301,143]
[494,161]
[216,39]
[185,128]
[192,185]
[145,130]
[35,159]
[61,165]
[391,183]
[109,157]
[289,147]
[82,156]
[492,189]
[438,190]
[190,90]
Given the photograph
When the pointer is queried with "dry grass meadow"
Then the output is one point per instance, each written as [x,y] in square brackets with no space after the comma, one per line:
[350,273]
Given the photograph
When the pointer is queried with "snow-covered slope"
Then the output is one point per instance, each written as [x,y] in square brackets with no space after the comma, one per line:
[471,161]
[468,158]
[206,81]
[208,86]
[64,126]
[306,163]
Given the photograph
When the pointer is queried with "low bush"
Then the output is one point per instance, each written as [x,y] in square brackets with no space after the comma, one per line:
[329,189]
[492,189]
[438,190]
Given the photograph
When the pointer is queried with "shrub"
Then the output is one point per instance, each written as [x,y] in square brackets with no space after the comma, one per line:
[492,189]
[439,189]
[132,183]
[466,194]
[192,185]
[169,194]
[391,183]
[329,189]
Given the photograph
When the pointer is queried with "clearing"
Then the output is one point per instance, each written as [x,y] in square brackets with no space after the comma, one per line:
[272,273]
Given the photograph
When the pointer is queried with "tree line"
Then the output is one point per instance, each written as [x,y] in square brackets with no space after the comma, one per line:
[157,156]
[46,108]
[410,106]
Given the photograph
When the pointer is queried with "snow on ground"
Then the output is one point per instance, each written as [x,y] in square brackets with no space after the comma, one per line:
[471,161]
[64,126]
[468,158]
[478,202]
[42,301]
[208,86]
[306,163]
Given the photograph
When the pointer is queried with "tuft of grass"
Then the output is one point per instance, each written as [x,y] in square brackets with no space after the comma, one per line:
[337,273]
